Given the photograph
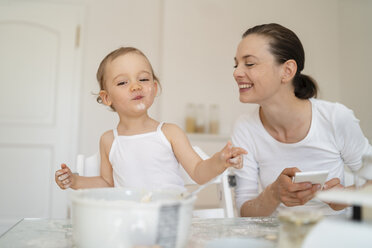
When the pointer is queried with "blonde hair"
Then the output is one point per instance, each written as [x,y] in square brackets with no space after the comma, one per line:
[113,55]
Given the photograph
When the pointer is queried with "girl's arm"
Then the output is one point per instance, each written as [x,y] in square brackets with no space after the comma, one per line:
[66,179]
[201,171]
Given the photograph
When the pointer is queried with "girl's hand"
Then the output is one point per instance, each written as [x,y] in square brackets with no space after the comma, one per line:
[334,183]
[292,194]
[64,177]
[232,156]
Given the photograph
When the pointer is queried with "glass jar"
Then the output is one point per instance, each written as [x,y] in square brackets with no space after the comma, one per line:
[190,119]
[200,118]
[295,225]
[214,123]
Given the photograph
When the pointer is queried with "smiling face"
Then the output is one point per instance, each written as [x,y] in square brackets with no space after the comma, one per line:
[129,84]
[257,73]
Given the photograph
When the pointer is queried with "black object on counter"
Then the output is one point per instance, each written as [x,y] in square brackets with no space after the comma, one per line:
[357,213]
[232,180]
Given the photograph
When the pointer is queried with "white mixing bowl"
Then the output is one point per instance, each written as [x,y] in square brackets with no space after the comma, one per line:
[121,217]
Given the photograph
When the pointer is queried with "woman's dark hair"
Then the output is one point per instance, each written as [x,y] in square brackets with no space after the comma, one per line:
[285,45]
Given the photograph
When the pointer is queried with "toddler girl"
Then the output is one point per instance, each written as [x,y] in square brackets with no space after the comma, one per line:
[141,152]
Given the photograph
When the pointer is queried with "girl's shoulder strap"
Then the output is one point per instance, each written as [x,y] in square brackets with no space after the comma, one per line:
[115,131]
[159,126]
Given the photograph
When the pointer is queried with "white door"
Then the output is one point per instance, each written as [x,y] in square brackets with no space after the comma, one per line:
[39,84]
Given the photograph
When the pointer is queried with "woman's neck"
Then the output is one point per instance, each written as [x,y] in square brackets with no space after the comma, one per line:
[288,120]
[136,125]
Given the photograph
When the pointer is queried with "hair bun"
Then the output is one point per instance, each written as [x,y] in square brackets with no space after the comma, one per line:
[305,86]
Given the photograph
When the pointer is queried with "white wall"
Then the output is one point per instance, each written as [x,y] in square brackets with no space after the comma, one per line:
[191,45]
[109,25]
[200,39]
[355,22]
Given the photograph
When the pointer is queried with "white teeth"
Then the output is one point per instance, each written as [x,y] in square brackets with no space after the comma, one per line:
[245,86]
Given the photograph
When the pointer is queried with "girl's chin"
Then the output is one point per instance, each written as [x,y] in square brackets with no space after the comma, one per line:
[140,106]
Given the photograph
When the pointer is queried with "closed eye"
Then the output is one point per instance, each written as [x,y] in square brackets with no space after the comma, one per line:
[144,80]
[122,83]
[248,65]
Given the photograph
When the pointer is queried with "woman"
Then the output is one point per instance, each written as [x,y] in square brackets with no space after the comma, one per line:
[290,130]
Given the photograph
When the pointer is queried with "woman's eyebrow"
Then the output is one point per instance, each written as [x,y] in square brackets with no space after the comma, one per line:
[246,56]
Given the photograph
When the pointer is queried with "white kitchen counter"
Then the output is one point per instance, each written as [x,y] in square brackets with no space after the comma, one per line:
[55,233]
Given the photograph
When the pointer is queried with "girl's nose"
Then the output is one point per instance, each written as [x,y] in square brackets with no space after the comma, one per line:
[136,86]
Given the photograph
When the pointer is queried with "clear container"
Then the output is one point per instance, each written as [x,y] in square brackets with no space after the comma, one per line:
[200,118]
[295,225]
[190,119]
[214,122]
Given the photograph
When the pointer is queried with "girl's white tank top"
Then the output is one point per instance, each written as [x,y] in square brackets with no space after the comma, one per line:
[145,161]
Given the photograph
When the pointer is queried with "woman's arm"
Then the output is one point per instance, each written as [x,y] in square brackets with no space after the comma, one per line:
[264,205]
[201,171]
[335,184]
[282,190]
[351,142]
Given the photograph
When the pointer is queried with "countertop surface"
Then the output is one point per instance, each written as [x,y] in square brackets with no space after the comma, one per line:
[57,233]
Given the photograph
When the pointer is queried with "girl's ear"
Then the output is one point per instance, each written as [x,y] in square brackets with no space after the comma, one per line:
[289,70]
[105,97]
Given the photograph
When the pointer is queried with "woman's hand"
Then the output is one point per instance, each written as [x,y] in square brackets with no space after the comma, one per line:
[232,156]
[64,177]
[292,194]
[334,183]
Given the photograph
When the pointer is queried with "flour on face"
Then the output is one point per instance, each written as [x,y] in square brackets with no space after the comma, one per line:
[140,106]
